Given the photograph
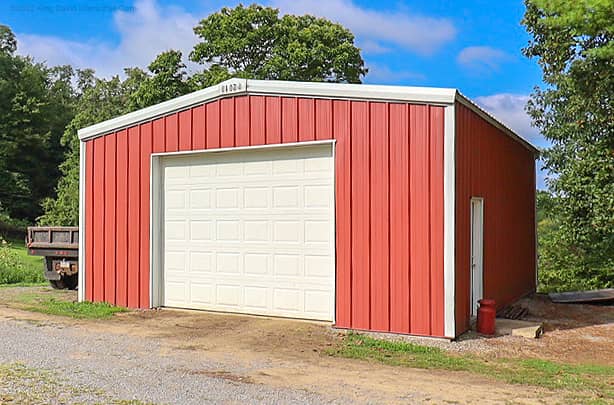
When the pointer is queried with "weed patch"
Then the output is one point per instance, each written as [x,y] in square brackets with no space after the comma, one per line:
[17,267]
[78,310]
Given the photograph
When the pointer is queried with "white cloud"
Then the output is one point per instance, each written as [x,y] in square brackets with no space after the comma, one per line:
[420,34]
[149,28]
[372,47]
[145,31]
[382,74]
[509,108]
[482,58]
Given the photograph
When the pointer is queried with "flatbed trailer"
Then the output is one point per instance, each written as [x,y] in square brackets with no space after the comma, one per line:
[59,245]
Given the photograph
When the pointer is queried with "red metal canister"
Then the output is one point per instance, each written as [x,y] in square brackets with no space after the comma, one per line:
[486,317]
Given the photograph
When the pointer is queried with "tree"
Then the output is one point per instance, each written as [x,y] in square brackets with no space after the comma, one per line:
[574,44]
[169,80]
[99,100]
[36,104]
[255,42]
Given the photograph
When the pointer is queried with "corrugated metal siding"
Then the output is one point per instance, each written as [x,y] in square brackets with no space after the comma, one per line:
[389,199]
[493,166]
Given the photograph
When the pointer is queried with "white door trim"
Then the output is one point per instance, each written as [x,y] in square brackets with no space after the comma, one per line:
[477,252]
[156,218]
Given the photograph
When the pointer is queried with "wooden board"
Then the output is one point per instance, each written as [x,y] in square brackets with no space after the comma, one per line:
[606,294]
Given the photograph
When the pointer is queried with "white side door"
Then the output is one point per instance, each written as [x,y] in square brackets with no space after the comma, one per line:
[477,253]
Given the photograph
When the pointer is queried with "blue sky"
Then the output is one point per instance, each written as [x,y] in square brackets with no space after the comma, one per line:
[471,45]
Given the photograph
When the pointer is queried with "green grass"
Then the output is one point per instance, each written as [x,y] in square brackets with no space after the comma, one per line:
[589,382]
[79,310]
[17,267]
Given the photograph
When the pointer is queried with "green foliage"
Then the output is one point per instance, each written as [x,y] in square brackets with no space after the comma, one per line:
[102,99]
[255,42]
[16,267]
[574,44]
[561,266]
[36,104]
[60,307]
[169,80]
[584,380]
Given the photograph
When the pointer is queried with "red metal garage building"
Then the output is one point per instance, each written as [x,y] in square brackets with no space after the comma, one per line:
[374,207]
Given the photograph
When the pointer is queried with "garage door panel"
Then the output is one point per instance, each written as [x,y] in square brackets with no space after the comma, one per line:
[251,232]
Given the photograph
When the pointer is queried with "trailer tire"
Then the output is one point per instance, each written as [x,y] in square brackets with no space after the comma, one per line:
[71,281]
[57,284]
[66,282]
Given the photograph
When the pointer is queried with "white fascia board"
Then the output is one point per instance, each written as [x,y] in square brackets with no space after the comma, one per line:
[423,95]
[230,87]
[494,121]
[233,87]
[81,252]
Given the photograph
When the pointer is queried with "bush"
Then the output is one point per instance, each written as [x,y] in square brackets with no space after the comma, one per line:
[564,265]
[13,270]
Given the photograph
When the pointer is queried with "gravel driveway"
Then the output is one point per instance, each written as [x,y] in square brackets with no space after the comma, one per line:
[103,368]
[185,357]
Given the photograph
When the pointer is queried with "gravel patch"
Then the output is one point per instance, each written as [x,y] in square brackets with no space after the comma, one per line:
[109,367]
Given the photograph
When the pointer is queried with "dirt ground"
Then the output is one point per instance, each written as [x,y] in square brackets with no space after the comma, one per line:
[573,333]
[290,353]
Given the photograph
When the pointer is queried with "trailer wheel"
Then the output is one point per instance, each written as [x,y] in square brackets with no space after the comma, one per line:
[66,282]
[57,284]
[71,281]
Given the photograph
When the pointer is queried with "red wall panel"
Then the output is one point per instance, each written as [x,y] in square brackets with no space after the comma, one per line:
[99,225]
[273,120]
[242,122]
[343,212]
[134,214]
[172,133]
[323,119]
[121,226]
[145,159]
[399,214]
[227,123]
[185,130]
[385,155]
[436,219]
[198,127]
[213,125]
[289,119]
[306,119]
[379,217]
[110,182]
[360,162]
[493,166]
[419,219]
[257,120]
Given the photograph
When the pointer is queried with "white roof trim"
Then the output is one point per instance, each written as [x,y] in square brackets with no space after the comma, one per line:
[233,87]
[494,121]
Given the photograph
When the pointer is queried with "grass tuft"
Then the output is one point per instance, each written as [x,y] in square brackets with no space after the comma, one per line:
[78,310]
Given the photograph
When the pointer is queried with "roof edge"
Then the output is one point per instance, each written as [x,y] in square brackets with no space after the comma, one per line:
[494,121]
[234,87]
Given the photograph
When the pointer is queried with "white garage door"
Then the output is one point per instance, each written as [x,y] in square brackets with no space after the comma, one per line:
[251,231]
